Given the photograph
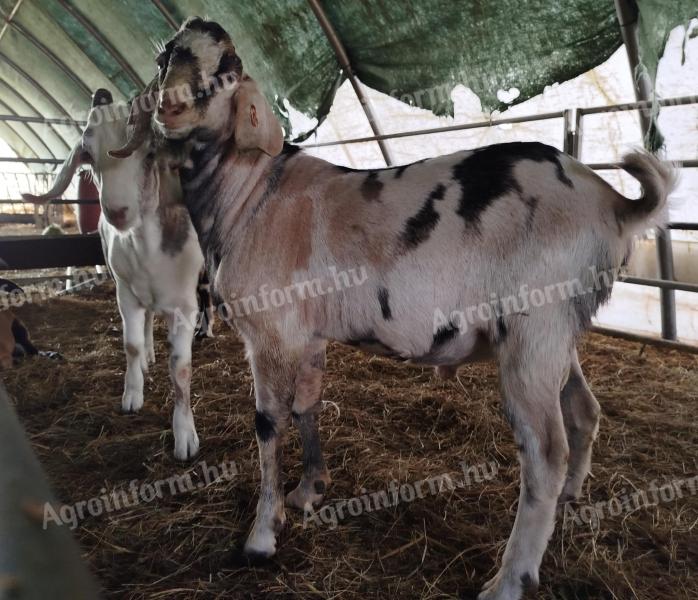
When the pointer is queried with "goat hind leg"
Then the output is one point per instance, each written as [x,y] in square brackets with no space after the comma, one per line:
[531,394]
[580,412]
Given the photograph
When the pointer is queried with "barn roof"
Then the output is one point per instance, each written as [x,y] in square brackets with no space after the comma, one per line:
[54,53]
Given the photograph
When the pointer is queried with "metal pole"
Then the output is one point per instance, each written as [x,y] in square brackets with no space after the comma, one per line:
[627,12]
[41,120]
[167,15]
[31,161]
[679,101]
[645,339]
[461,126]
[573,131]
[679,164]
[343,58]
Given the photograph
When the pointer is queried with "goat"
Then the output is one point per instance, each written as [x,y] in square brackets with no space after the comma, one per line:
[151,250]
[471,229]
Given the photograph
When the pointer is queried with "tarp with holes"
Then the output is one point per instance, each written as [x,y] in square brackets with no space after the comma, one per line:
[54,53]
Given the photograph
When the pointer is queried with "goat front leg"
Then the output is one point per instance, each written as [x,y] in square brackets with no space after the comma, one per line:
[274,373]
[306,409]
[180,336]
[204,327]
[133,318]
[531,376]
[149,343]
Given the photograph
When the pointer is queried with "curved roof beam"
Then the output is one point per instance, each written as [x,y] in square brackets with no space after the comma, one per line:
[97,34]
[8,18]
[17,126]
[343,58]
[8,88]
[43,90]
[46,51]
[169,17]
[11,143]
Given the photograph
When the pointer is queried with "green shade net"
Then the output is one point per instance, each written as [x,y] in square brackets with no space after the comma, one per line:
[413,50]
[655,20]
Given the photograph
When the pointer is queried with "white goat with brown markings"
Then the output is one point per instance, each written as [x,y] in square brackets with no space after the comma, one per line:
[151,249]
[436,237]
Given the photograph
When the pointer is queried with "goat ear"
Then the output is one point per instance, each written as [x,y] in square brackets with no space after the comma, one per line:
[256,126]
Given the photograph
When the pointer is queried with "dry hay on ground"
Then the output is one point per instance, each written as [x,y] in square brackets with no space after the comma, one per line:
[383,421]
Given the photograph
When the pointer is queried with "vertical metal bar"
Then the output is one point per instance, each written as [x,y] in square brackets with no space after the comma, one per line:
[343,58]
[665,258]
[577,150]
[627,12]
[572,118]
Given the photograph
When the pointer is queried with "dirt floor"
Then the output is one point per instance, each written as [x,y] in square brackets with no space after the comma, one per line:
[382,421]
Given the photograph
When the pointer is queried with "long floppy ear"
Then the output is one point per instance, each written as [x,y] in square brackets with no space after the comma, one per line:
[256,126]
[76,158]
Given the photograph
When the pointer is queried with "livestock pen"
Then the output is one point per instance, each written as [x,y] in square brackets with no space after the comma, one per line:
[424,467]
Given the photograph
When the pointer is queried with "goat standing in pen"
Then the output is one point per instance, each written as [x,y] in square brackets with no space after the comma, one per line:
[152,252]
[438,236]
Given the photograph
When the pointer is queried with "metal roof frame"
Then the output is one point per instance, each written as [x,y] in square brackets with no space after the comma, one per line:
[37,119]
[164,11]
[343,58]
[12,124]
[105,43]
[48,53]
[627,12]
[57,105]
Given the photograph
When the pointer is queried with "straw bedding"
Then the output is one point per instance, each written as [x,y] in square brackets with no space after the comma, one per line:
[382,422]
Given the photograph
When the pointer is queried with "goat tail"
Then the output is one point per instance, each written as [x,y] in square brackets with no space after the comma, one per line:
[658,179]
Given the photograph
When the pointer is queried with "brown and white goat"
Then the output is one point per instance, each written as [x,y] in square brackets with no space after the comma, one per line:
[151,250]
[436,238]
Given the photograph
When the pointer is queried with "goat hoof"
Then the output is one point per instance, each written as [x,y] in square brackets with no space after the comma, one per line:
[505,586]
[260,546]
[186,445]
[303,499]
[132,401]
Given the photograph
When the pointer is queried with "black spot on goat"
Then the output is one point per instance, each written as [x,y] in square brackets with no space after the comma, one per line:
[419,227]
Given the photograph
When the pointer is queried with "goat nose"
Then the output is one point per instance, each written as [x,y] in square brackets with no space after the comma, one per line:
[170,108]
[116,216]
